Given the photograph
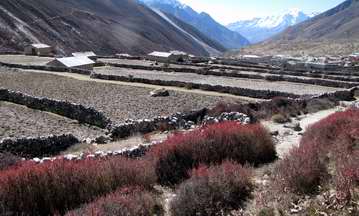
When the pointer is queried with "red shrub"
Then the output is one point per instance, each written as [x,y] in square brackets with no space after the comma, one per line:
[333,139]
[211,144]
[213,190]
[347,175]
[263,110]
[301,171]
[124,202]
[55,187]
[328,132]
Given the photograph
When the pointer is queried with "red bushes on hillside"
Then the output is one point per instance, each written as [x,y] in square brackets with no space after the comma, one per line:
[213,190]
[211,144]
[302,170]
[58,186]
[124,202]
[334,139]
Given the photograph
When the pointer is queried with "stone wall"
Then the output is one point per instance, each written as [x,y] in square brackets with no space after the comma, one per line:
[38,147]
[175,121]
[70,110]
[336,82]
[46,68]
[344,95]
[262,94]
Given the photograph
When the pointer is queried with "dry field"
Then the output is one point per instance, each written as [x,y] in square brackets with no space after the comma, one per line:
[24,60]
[295,88]
[18,121]
[145,63]
[119,102]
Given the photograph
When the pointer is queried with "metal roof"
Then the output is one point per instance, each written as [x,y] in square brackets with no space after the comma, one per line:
[75,61]
[176,52]
[39,46]
[87,54]
[160,54]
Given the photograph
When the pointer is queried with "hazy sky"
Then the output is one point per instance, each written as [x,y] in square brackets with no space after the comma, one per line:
[226,11]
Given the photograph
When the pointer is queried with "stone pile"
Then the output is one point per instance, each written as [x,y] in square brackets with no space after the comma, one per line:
[232,116]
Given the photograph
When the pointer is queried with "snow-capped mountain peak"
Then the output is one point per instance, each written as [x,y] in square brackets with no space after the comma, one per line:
[289,18]
[261,28]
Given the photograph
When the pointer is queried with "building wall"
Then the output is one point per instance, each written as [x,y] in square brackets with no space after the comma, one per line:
[30,50]
[44,51]
[85,67]
[157,58]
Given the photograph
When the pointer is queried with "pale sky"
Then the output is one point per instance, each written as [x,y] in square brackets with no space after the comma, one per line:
[227,11]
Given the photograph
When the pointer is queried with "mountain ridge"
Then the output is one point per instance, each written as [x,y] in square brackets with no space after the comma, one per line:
[202,21]
[259,29]
[106,27]
[333,32]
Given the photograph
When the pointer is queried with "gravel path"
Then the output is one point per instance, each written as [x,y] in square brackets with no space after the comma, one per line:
[295,88]
[288,138]
[18,121]
[119,102]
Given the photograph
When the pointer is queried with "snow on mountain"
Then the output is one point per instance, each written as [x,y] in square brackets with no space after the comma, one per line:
[260,29]
[201,21]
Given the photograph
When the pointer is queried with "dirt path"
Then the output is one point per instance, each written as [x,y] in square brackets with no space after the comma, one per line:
[194,91]
[288,138]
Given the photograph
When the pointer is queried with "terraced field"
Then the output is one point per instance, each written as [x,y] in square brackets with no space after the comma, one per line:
[146,63]
[18,121]
[289,87]
[119,102]
[25,60]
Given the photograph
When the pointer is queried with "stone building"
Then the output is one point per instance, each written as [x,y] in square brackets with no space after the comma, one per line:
[38,50]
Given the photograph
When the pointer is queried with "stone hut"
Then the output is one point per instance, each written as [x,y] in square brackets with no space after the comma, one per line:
[38,50]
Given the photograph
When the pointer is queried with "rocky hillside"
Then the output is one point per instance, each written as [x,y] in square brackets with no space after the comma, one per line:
[202,21]
[335,31]
[261,28]
[106,27]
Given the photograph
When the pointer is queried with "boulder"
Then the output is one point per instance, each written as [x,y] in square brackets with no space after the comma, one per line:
[160,93]
[294,126]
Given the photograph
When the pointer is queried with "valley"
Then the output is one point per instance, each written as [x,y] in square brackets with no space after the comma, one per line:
[157,108]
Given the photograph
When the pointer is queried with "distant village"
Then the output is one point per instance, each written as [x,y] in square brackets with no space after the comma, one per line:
[86,60]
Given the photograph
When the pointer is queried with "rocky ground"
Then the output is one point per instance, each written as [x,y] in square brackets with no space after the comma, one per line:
[18,121]
[296,88]
[286,136]
[119,102]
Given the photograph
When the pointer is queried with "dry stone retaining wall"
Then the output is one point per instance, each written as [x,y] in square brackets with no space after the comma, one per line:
[46,68]
[175,121]
[37,146]
[263,94]
[336,82]
[70,110]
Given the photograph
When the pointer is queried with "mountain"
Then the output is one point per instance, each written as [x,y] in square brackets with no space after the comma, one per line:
[202,21]
[104,26]
[335,31]
[259,29]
